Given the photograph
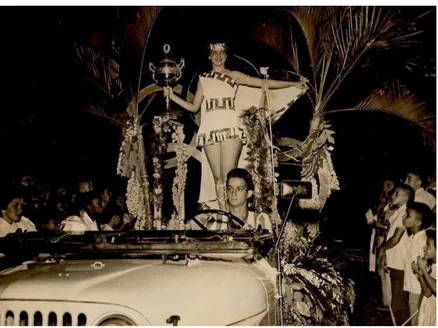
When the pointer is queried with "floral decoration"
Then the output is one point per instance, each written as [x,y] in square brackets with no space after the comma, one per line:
[159,146]
[131,164]
[314,291]
[260,160]
[179,181]
[163,128]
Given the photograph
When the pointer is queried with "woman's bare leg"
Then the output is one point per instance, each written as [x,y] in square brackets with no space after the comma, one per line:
[230,153]
[213,153]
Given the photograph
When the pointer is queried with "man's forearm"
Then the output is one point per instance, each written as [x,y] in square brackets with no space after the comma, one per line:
[388,244]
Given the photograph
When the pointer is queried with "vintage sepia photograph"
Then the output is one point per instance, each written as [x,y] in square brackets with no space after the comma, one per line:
[218,165]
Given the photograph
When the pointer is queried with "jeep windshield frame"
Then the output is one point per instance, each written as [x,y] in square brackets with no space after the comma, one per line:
[109,244]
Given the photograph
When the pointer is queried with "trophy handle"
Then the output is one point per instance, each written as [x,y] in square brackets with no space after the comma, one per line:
[181,63]
[180,67]
[152,69]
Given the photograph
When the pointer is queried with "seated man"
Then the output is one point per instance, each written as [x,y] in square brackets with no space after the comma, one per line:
[239,189]
[11,215]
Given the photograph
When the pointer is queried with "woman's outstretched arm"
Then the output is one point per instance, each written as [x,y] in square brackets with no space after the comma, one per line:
[272,84]
[191,107]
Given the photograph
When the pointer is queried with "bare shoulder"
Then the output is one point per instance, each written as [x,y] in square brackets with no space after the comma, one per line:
[236,75]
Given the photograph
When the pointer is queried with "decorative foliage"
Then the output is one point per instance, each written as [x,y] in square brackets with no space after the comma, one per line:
[99,69]
[101,112]
[338,39]
[179,181]
[164,128]
[139,32]
[259,159]
[314,291]
[135,202]
[399,101]
[131,165]
[159,148]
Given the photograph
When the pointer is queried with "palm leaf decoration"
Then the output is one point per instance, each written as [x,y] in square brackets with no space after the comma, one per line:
[338,40]
[98,68]
[118,119]
[397,100]
[138,33]
[102,69]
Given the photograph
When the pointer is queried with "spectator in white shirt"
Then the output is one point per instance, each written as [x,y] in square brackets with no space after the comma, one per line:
[84,218]
[12,219]
[415,180]
[394,249]
[415,222]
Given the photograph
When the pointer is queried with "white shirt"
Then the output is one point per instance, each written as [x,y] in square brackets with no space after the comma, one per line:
[24,224]
[78,224]
[262,219]
[106,227]
[422,196]
[395,257]
[416,245]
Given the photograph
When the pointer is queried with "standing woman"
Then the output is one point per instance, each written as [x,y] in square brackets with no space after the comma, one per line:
[221,132]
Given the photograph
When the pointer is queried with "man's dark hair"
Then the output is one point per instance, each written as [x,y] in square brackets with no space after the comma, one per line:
[424,211]
[242,174]
[419,174]
[408,190]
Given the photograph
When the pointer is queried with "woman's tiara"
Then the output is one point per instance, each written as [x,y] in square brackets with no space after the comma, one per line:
[218,46]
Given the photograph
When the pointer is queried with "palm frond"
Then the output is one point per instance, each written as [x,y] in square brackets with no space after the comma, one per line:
[398,101]
[99,69]
[99,111]
[310,20]
[138,33]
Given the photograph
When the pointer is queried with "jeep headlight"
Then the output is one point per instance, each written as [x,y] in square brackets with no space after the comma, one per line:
[117,320]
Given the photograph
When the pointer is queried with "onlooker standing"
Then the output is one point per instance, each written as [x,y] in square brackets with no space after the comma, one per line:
[414,222]
[415,180]
[380,223]
[394,248]
[427,278]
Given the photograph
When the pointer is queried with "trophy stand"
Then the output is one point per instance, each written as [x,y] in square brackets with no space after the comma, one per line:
[166,74]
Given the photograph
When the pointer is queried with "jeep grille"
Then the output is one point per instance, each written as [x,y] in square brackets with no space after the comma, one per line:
[39,318]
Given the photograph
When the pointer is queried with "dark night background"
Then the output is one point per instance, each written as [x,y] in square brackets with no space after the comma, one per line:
[44,131]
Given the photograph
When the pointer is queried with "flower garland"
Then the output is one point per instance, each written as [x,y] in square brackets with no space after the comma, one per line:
[135,202]
[131,165]
[159,146]
[259,160]
[328,181]
[128,151]
[314,291]
[179,180]
[162,128]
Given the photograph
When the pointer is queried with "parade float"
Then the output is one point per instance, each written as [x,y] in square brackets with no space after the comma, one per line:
[309,287]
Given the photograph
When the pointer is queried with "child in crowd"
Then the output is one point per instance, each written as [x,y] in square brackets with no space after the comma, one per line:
[427,277]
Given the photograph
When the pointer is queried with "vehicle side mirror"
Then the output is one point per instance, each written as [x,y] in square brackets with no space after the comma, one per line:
[301,189]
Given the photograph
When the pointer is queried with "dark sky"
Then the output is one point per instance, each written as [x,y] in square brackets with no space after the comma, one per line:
[43,130]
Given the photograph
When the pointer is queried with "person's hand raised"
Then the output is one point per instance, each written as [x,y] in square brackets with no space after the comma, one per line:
[168,92]
[422,264]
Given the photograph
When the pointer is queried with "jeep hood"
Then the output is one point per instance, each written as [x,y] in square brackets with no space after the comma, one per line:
[201,293]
